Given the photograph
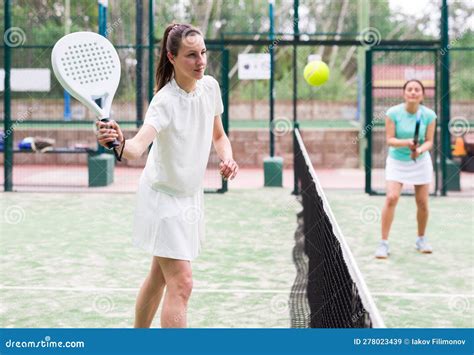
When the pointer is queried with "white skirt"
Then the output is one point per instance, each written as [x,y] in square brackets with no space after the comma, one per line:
[410,172]
[168,226]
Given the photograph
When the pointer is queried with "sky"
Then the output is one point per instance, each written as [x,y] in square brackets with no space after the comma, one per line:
[410,6]
[414,7]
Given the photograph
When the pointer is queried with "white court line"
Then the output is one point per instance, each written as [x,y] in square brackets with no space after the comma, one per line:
[113,289]
[216,290]
[427,295]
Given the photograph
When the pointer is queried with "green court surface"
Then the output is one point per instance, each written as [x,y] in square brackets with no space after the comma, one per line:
[413,289]
[234,124]
[67,260]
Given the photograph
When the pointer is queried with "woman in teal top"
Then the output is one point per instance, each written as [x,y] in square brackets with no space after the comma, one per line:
[408,162]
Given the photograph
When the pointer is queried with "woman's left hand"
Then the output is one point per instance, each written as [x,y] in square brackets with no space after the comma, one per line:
[415,153]
[228,169]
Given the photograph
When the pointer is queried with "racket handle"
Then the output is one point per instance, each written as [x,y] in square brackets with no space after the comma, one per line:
[115,143]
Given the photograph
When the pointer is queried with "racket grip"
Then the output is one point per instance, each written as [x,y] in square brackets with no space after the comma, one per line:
[115,143]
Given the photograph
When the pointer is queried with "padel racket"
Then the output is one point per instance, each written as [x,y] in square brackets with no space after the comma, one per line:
[417,130]
[88,67]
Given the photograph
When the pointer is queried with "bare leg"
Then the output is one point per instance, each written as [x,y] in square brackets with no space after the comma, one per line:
[149,296]
[388,212]
[179,285]
[421,196]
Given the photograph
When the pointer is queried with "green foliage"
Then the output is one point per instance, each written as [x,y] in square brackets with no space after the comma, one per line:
[43,22]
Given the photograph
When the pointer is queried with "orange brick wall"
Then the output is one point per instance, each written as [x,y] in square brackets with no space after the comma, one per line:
[335,148]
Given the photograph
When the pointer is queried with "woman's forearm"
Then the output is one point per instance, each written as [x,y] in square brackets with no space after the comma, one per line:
[223,148]
[426,147]
[398,143]
[131,151]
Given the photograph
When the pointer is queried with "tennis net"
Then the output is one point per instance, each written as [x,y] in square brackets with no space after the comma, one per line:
[329,290]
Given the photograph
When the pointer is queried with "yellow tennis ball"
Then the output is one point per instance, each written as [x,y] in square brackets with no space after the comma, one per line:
[316,73]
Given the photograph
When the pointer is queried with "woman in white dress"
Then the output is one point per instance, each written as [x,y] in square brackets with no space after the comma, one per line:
[407,162]
[182,121]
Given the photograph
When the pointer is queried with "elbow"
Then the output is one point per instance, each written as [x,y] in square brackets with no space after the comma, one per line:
[134,155]
[217,140]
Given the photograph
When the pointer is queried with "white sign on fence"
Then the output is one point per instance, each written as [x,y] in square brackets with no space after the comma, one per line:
[28,79]
[254,66]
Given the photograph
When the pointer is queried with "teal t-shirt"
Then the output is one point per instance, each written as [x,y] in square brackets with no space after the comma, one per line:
[405,123]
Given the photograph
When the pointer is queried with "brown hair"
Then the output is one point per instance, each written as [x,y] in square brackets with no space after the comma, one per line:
[171,42]
[414,81]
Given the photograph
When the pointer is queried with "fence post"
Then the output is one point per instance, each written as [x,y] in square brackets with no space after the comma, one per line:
[445,98]
[8,129]
[368,121]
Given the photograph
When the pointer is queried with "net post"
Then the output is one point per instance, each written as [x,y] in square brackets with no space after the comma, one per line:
[295,152]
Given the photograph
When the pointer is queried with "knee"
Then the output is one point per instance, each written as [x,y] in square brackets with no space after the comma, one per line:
[181,287]
[422,205]
[392,199]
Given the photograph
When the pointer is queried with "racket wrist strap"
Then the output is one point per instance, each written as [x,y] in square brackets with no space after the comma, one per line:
[117,155]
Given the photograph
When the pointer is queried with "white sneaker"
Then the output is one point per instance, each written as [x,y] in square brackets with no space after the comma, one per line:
[423,246]
[382,251]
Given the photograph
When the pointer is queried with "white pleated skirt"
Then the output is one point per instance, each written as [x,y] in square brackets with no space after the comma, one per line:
[168,226]
[410,172]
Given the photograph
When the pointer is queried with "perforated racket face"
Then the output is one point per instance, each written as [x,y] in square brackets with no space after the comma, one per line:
[88,66]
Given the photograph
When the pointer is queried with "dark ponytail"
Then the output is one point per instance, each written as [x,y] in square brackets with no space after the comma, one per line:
[170,42]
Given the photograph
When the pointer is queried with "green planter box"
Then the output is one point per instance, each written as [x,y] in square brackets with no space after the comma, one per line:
[101,170]
[452,175]
[273,171]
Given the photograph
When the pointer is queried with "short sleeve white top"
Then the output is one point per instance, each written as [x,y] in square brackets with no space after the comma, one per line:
[184,123]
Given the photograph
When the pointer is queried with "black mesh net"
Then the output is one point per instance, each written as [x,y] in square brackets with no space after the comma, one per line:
[328,285]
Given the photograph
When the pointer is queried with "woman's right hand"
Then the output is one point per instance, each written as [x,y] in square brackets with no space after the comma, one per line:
[411,144]
[108,132]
